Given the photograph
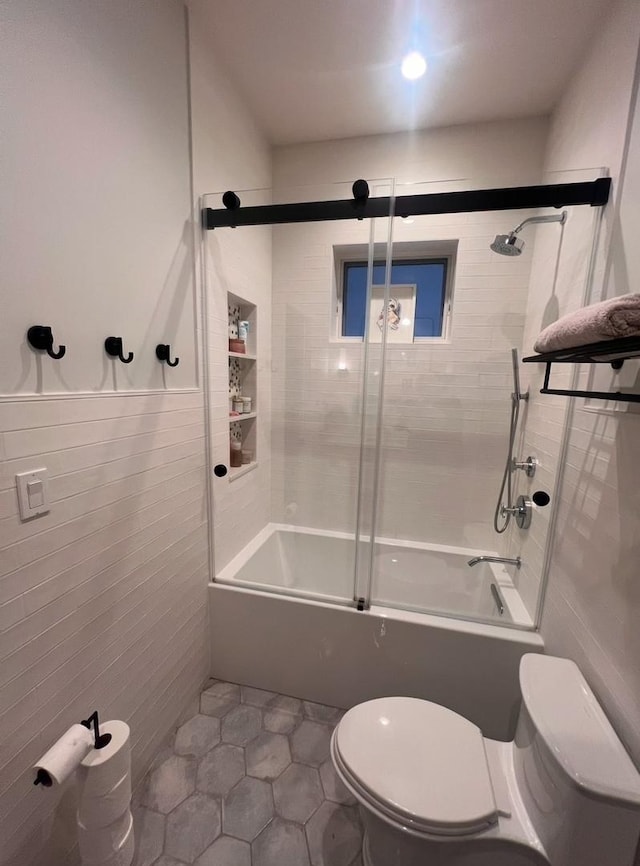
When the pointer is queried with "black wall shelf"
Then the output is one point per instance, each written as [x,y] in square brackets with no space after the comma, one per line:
[614,352]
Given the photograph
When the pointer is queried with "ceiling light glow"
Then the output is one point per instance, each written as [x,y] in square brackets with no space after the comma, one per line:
[413,66]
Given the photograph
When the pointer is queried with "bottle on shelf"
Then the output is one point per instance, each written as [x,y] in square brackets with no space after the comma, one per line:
[236,453]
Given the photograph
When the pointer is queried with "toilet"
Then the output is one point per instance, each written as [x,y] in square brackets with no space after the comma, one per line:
[433,791]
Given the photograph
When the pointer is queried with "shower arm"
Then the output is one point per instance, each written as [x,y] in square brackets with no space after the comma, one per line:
[560,218]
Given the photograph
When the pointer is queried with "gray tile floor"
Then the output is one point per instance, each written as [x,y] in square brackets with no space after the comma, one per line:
[249,782]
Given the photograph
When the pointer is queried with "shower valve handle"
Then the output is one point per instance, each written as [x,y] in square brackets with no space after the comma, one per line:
[521,511]
[528,466]
[516,510]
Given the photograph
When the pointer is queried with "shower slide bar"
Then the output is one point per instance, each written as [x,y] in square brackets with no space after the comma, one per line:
[594,193]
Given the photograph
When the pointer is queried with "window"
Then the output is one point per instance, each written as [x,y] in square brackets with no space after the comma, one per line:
[422,282]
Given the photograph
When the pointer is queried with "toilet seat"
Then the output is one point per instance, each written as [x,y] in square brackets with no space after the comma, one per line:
[419,764]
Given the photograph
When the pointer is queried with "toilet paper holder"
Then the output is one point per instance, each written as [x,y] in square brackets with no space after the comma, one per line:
[100,741]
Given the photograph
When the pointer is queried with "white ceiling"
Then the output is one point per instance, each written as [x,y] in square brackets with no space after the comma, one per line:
[319,69]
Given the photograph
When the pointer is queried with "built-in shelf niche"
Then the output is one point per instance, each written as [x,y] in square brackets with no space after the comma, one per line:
[243,380]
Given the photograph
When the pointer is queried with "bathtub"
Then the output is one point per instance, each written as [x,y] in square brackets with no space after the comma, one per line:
[283,619]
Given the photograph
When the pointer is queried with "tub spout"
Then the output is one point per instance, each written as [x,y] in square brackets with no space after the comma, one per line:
[476,559]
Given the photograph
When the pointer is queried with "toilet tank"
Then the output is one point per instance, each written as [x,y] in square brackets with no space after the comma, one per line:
[579,785]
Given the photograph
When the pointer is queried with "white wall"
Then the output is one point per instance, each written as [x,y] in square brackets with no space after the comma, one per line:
[103,600]
[446,406]
[229,152]
[95,211]
[593,602]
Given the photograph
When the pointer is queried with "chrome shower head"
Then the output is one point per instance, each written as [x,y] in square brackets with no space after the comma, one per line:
[512,245]
[508,245]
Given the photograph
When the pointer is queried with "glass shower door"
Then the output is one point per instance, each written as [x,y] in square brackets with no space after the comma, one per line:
[446,391]
[460,309]
[287,523]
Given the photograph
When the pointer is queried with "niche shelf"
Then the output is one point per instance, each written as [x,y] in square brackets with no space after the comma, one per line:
[246,416]
[614,352]
[239,471]
[243,380]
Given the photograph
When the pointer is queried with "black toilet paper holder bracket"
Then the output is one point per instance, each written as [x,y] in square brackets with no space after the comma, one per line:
[101,740]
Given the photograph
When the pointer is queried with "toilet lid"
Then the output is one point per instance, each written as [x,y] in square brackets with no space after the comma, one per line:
[421,763]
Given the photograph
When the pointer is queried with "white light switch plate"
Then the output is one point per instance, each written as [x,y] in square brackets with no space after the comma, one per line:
[33,493]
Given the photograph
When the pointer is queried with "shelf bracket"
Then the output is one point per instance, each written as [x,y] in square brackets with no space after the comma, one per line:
[616,396]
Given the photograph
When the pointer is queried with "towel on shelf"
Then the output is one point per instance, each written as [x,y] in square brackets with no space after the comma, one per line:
[617,317]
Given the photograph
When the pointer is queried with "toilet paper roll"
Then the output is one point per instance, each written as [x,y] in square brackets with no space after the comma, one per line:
[66,754]
[124,855]
[102,769]
[100,810]
[100,844]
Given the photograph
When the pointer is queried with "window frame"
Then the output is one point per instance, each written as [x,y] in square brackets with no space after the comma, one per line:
[410,253]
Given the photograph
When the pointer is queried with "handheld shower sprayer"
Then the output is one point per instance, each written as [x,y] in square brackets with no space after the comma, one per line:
[517,393]
[503,513]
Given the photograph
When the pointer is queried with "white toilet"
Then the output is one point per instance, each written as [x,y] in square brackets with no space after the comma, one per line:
[434,792]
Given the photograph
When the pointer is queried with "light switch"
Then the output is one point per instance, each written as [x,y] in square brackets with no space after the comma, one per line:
[35,493]
[32,493]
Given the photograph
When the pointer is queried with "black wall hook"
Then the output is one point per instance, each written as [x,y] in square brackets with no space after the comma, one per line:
[163,352]
[113,347]
[41,338]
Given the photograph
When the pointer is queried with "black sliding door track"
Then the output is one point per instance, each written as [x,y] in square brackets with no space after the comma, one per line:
[594,193]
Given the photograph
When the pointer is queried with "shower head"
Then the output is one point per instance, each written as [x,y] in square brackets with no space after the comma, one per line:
[508,245]
[512,245]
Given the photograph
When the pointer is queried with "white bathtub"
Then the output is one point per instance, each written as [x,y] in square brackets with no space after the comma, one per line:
[280,621]
[427,578]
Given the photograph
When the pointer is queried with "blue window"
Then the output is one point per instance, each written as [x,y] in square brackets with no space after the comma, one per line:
[429,277]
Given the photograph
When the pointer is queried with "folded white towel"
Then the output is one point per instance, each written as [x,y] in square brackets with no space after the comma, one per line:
[617,317]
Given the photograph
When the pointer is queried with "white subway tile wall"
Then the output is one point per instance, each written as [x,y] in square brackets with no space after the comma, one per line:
[104,602]
[592,603]
[90,591]
[558,283]
[446,405]
[238,262]
[230,152]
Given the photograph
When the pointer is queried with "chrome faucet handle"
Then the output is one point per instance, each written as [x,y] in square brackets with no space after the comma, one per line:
[522,511]
[528,466]
[516,510]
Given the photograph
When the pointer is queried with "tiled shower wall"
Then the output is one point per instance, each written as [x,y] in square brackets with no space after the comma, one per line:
[592,604]
[559,275]
[446,406]
[230,152]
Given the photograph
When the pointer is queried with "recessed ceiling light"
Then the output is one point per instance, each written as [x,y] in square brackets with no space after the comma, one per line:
[414,66]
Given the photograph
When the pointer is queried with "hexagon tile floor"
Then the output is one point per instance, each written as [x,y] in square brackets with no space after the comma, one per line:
[249,782]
